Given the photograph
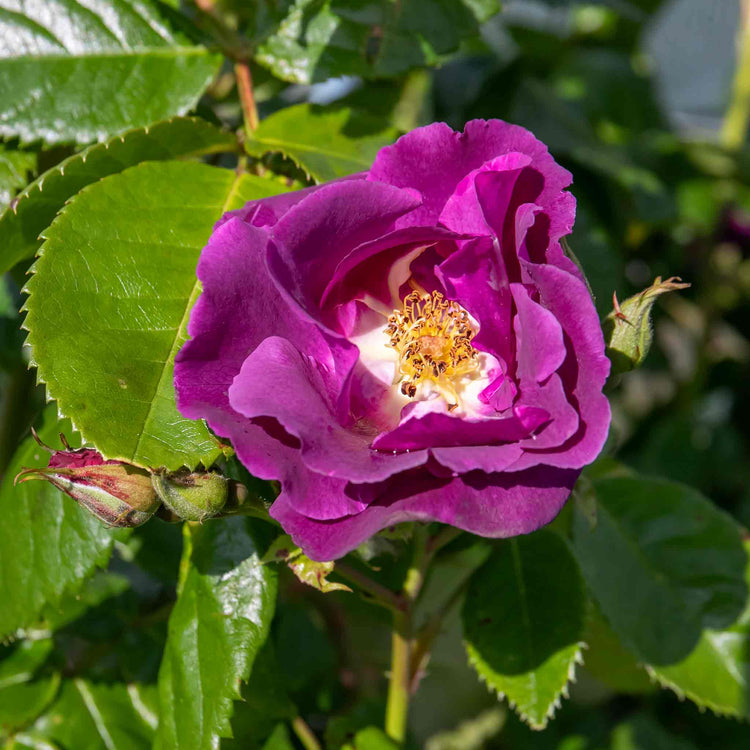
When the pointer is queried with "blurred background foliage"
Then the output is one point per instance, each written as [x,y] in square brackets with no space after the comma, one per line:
[631,96]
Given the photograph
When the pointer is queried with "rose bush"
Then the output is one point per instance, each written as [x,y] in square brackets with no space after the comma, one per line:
[410,343]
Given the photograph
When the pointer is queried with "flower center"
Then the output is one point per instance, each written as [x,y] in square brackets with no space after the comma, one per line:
[432,337]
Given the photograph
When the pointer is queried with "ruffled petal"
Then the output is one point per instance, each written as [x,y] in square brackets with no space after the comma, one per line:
[492,505]
[435,159]
[277,381]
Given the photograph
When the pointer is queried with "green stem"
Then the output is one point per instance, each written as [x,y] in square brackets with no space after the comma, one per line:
[378,593]
[399,686]
[304,734]
[734,129]
[397,707]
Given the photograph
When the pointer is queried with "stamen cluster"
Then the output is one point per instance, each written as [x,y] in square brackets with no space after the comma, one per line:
[432,336]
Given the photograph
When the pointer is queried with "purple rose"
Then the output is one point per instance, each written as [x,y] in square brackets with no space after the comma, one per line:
[410,343]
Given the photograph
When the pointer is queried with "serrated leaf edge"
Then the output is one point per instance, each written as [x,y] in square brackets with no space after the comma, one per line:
[28,344]
[681,694]
[554,705]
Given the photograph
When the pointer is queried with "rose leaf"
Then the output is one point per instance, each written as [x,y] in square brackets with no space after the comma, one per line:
[663,563]
[84,72]
[221,620]
[125,251]
[35,207]
[523,622]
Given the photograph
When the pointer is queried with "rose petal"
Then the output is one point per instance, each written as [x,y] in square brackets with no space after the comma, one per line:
[277,381]
[492,505]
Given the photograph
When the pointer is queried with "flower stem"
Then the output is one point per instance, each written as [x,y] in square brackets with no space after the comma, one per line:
[734,129]
[304,734]
[247,99]
[379,594]
[399,686]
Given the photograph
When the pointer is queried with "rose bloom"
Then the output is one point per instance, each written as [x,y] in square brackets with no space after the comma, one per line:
[410,343]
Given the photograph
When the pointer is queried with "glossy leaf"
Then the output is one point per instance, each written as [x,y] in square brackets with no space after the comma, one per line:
[523,623]
[15,166]
[98,715]
[663,563]
[315,40]
[35,207]
[48,544]
[715,674]
[219,623]
[325,143]
[125,251]
[75,72]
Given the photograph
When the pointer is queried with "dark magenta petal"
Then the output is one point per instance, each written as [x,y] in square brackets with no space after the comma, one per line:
[314,236]
[435,159]
[438,429]
[493,505]
[540,349]
[584,371]
[278,381]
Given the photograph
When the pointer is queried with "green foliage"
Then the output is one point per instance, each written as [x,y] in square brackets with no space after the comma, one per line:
[310,572]
[220,621]
[23,696]
[663,563]
[313,40]
[82,73]
[133,284]
[14,168]
[91,715]
[325,143]
[715,673]
[36,206]
[48,544]
[523,623]
[372,738]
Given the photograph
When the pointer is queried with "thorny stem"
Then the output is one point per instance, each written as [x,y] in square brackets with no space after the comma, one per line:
[247,99]
[734,129]
[304,734]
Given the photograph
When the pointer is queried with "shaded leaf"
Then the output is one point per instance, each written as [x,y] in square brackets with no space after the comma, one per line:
[325,143]
[15,166]
[372,738]
[314,41]
[22,696]
[125,250]
[663,563]
[91,715]
[523,623]
[36,206]
[83,72]
[265,702]
[219,623]
[48,544]
[716,673]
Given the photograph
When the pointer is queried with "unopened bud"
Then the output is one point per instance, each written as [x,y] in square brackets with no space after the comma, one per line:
[627,329]
[194,496]
[117,493]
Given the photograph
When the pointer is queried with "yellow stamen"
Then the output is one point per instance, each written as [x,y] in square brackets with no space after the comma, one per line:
[432,336]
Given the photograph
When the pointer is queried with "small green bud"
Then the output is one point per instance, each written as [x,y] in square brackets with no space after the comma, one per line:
[627,329]
[193,497]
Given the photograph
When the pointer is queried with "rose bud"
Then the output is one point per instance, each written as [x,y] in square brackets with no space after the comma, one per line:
[117,493]
[411,343]
[628,331]
[192,497]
